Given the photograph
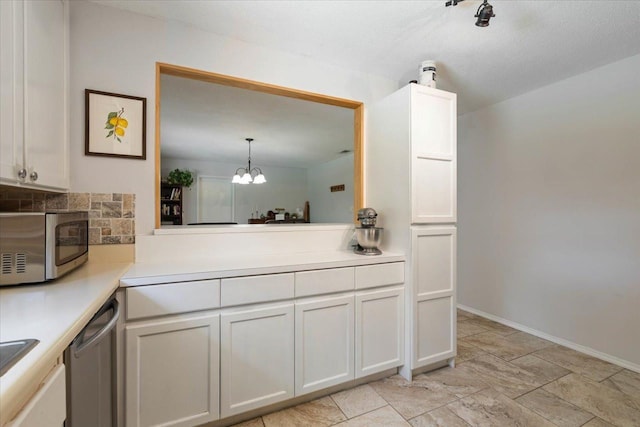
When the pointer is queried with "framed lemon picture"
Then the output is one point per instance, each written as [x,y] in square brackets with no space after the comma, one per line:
[115,125]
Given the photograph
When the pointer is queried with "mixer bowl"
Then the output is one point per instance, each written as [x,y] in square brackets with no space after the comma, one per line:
[369,237]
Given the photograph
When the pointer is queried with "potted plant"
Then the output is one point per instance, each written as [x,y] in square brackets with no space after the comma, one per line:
[180,177]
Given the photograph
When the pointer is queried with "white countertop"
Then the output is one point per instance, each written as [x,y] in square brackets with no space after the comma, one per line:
[148,273]
[53,313]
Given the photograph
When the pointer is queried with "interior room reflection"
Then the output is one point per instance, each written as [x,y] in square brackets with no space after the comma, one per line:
[303,148]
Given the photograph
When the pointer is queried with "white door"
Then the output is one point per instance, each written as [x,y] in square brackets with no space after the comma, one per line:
[46,61]
[215,199]
[172,371]
[324,342]
[379,330]
[433,155]
[11,90]
[47,408]
[256,357]
[434,281]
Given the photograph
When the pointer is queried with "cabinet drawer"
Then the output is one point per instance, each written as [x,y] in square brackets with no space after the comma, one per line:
[371,276]
[252,289]
[318,282]
[172,298]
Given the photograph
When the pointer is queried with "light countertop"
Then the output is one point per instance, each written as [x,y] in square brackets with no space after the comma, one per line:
[53,313]
[148,273]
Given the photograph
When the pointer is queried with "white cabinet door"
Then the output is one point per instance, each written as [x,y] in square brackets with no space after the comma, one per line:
[34,52]
[323,342]
[433,155]
[172,371]
[256,357]
[379,330]
[11,91]
[46,60]
[47,408]
[434,284]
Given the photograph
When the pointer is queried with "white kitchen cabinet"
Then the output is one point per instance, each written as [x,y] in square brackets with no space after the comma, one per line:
[412,156]
[34,50]
[324,347]
[47,408]
[256,357]
[411,182]
[172,371]
[379,330]
[433,155]
[434,280]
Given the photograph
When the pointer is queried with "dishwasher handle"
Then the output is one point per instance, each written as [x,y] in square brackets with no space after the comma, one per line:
[79,345]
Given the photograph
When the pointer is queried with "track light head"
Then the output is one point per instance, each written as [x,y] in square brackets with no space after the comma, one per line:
[484,14]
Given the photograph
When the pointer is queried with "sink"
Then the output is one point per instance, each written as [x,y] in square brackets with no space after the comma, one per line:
[12,351]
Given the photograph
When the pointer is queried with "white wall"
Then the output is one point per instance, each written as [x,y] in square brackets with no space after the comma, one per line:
[116,51]
[549,209]
[325,206]
[285,188]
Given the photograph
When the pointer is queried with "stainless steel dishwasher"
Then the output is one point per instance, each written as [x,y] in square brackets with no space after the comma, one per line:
[90,369]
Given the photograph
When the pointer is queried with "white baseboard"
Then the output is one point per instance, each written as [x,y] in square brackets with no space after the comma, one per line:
[587,350]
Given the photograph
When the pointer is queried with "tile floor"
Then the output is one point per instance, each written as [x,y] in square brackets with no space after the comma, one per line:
[503,377]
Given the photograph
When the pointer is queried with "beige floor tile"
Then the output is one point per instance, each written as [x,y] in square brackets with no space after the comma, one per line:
[580,363]
[383,417]
[597,422]
[508,347]
[628,383]
[466,328]
[356,401]
[441,417]
[464,315]
[408,399]
[489,408]
[492,326]
[544,371]
[319,412]
[467,351]
[256,422]
[554,409]
[507,378]
[598,399]
[460,381]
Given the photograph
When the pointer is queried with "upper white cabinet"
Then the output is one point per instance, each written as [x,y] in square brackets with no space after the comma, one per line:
[34,51]
[433,155]
[411,155]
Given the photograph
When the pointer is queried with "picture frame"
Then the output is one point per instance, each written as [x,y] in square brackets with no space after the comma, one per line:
[116,125]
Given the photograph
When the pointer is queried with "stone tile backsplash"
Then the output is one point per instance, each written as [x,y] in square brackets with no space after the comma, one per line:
[111,215]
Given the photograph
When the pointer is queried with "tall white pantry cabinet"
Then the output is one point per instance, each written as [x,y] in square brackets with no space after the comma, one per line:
[411,182]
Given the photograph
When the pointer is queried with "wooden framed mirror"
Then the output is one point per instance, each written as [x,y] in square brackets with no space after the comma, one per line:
[163,70]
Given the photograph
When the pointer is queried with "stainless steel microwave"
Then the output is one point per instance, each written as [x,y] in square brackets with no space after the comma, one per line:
[36,247]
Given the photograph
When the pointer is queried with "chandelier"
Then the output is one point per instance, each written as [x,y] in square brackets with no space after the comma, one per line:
[248,175]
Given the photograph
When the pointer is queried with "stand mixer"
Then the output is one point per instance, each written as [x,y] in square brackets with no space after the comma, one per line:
[368,235]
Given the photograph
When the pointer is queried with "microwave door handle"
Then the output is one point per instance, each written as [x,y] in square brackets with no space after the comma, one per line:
[80,344]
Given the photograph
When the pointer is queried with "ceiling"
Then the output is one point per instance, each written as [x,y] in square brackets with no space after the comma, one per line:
[528,44]
[201,120]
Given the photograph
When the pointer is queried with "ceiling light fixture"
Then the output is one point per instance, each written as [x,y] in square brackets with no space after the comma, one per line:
[250,175]
[484,12]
